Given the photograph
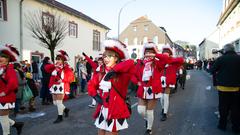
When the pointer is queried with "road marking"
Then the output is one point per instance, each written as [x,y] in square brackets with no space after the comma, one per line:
[30,115]
[135,104]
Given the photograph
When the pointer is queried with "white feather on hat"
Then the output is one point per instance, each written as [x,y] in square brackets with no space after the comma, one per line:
[149,45]
[167,47]
[63,54]
[117,47]
[11,51]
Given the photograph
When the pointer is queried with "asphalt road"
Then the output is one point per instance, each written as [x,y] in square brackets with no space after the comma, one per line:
[192,112]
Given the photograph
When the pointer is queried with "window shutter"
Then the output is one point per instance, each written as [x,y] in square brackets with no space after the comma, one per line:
[5,10]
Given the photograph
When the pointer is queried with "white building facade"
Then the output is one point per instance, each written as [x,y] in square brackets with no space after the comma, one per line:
[84,33]
[208,44]
[229,23]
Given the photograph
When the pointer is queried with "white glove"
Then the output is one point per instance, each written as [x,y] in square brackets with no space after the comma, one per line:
[54,73]
[2,94]
[1,71]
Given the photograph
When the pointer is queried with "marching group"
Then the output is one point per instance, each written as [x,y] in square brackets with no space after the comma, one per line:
[155,75]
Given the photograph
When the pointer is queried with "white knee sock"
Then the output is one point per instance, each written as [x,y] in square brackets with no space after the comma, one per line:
[150,118]
[60,107]
[55,102]
[12,122]
[4,120]
[94,102]
[162,100]
[166,103]
[142,110]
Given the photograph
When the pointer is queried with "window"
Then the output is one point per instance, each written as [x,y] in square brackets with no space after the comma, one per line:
[3,10]
[126,41]
[145,40]
[135,28]
[47,20]
[155,39]
[96,40]
[237,45]
[73,29]
[135,41]
[145,27]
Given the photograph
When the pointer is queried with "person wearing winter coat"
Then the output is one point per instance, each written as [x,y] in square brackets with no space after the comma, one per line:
[44,92]
[8,88]
[168,78]
[32,85]
[226,69]
[21,85]
[95,66]
[59,85]
[109,88]
[147,77]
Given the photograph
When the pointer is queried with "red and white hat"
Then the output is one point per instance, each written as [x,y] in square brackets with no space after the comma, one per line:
[167,47]
[116,46]
[63,55]
[149,45]
[10,51]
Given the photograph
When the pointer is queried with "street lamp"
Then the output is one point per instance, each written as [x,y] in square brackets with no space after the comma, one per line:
[120,14]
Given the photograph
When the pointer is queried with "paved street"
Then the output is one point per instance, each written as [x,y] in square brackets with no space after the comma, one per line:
[192,111]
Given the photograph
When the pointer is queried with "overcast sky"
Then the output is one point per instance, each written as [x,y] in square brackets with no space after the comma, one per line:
[187,20]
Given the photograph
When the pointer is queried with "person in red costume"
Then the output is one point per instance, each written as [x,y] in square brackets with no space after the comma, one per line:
[147,77]
[168,78]
[96,67]
[61,77]
[109,86]
[8,88]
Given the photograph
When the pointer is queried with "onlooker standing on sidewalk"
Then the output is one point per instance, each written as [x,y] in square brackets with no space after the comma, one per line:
[35,71]
[32,85]
[84,75]
[227,69]
[21,84]
[45,93]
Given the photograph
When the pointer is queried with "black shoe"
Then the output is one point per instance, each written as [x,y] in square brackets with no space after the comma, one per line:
[59,119]
[66,112]
[236,129]
[220,127]
[162,111]
[31,109]
[164,117]
[18,126]
[146,123]
[148,132]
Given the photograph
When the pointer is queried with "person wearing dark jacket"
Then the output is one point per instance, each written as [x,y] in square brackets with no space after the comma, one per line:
[45,93]
[227,71]
[32,85]
[89,69]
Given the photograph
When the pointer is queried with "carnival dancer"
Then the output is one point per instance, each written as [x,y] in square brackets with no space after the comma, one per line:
[147,77]
[8,88]
[61,77]
[168,78]
[96,67]
[109,88]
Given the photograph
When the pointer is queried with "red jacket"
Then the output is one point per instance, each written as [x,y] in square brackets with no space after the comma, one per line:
[91,62]
[158,64]
[117,106]
[9,88]
[68,76]
[171,70]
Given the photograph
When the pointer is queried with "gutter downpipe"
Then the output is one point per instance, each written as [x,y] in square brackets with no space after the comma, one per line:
[21,32]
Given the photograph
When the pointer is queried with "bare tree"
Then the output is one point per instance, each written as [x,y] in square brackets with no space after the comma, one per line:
[49,28]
